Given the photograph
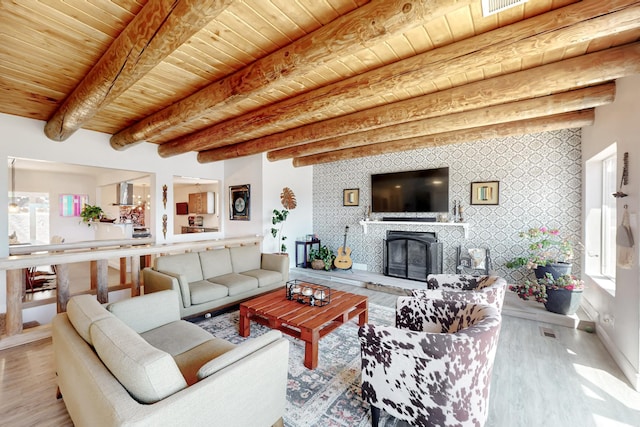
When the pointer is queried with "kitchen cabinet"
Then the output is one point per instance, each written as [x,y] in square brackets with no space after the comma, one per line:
[202,203]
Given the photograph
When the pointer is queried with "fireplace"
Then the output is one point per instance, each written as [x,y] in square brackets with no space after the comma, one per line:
[412,254]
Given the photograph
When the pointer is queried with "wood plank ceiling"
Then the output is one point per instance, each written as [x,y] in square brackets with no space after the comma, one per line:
[311,80]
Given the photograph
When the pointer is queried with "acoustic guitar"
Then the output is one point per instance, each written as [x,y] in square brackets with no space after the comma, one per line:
[343,260]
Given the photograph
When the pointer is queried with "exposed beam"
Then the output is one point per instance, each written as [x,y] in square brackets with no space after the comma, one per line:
[364,27]
[156,31]
[574,119]
[557,29]
[585,70]
[559,103]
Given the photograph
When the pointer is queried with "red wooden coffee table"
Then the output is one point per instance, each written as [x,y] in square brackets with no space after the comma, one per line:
[305,322]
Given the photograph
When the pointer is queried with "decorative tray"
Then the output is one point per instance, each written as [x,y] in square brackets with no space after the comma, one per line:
[308,293]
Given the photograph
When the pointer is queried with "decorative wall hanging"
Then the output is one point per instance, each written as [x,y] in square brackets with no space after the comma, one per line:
[239,201]
[351,197]
[624,180]
[164,196]
[72,204]
[485,193]
[164,225]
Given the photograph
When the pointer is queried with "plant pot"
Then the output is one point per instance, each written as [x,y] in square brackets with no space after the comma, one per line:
[317,264]
[563,301]
[556,269]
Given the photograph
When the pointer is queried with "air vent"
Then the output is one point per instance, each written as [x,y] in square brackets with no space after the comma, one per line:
[546,332]
[490,7]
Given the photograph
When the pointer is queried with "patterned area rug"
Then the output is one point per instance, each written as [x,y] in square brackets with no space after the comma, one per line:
[328,396]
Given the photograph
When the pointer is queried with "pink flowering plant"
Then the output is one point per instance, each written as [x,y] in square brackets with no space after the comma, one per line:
[546,246]
[537,289]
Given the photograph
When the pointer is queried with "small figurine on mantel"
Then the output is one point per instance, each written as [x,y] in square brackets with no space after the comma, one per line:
[460,219]
[455,211]
[367,213]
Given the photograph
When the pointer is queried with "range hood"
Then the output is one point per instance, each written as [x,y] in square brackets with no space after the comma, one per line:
[124,194]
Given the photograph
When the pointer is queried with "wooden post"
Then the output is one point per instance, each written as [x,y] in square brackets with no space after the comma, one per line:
[15,283]
[62,291]
[123,271]
[135,275]
[94,274]
[102,270]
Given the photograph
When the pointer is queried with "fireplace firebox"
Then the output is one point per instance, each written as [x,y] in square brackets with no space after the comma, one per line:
[412,255]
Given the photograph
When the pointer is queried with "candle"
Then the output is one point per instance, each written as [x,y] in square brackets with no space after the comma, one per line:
[319,294]
[295,289]
[307,291]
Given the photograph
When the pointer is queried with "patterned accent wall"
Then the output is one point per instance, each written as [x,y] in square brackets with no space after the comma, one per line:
[540,184]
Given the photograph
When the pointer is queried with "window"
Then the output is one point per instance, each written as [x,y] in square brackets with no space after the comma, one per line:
[31,221]
[608,259]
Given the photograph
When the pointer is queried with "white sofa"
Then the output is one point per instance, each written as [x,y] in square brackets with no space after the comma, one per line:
[215,279]
[135,363]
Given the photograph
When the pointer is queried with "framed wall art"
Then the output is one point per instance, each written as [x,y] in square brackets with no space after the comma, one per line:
[351,197]
[72,204]
[239,201]
[485,193]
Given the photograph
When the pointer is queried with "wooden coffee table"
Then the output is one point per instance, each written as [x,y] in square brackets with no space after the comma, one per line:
[305,322]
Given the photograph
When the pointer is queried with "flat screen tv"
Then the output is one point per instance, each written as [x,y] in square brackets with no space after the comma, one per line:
[424,190]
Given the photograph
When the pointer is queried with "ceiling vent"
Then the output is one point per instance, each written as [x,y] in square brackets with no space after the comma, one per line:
[490,7]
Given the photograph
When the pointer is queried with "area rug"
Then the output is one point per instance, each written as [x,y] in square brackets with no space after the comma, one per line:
[328,396]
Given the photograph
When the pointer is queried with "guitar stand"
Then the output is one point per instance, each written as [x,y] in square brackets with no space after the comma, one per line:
[350,269]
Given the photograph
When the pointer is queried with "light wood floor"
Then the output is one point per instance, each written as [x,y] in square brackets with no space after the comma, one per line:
[566,381]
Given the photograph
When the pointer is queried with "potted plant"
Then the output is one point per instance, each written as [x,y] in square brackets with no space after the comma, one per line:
[321,258]
[288,200]
[548,252]
[560,295]
[91,213]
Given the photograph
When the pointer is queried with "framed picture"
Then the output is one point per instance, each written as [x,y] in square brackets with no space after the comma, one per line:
[239,202]
[351,197]
[72,204]
[485,193]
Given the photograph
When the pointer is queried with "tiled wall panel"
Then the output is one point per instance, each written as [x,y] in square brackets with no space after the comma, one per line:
[540,184]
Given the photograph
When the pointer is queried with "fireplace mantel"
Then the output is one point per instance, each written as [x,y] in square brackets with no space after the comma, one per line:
[464,225]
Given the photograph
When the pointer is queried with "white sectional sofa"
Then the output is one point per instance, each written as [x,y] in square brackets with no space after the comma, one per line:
[214,279]
[135,363]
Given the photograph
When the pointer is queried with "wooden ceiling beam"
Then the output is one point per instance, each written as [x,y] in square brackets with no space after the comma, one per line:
[581,71]
[575,100]
[364,27]
[570,120]
[156,31]
[530,108]
[561,28]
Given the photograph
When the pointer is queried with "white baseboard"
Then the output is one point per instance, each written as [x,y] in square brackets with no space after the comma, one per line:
[625,366]
[623,363]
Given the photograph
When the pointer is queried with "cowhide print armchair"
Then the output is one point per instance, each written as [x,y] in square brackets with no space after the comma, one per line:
[434,368]
[471,289]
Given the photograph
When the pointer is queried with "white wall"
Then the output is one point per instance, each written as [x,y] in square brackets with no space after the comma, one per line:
[619,123]
[299,222]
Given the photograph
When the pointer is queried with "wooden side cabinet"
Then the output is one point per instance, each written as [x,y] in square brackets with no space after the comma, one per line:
[202,203]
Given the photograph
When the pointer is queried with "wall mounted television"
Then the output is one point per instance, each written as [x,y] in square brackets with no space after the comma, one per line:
[424,190]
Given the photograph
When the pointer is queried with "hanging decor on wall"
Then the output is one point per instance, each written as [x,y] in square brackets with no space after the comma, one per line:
[164,196]
[72,204]
[351,197]
[485,193]
[624,180]
[164,225]
[239,202]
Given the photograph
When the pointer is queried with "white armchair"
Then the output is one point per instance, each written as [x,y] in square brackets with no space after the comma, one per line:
[434,367]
